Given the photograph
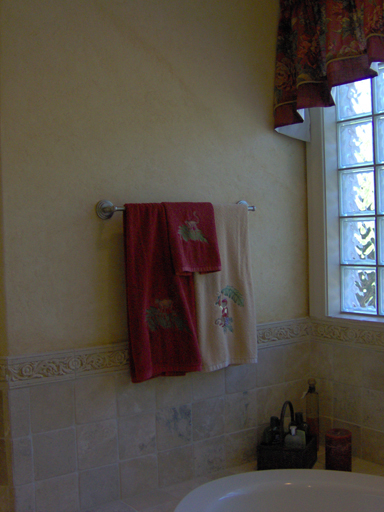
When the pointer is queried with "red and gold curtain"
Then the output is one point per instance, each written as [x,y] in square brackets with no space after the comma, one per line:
[321,44]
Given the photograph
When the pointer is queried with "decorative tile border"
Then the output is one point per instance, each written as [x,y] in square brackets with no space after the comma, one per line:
[65,365]
[20,371]
[284,332]
[352,332]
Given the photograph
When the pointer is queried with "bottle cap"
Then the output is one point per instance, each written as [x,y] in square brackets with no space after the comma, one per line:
[312,382]
[293,430]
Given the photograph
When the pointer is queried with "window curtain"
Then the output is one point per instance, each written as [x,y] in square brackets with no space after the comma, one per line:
[321,44]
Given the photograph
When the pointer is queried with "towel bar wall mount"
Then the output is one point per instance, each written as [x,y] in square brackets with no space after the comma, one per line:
[105,209]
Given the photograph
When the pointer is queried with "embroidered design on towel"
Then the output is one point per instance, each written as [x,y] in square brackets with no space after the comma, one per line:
[225,321]
[189,230]
[163,315]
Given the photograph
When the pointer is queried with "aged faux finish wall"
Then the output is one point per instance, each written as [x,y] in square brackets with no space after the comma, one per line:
[136,101]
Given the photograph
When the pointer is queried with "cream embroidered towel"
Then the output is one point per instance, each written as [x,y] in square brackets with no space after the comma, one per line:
[225,310]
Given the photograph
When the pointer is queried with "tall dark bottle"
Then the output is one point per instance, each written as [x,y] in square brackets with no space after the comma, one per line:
[312,403]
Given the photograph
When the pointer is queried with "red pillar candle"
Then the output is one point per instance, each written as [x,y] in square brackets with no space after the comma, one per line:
[338,449]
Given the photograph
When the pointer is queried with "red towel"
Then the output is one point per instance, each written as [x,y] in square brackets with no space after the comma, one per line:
[160,304]
[192,236]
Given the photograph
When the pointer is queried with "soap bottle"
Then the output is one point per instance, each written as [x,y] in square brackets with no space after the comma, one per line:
[301,424]
[293,440]
[312,403]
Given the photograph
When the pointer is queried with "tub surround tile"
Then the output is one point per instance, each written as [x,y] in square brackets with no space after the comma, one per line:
[97,444]
[209,456]
[138,475]
[208,384]
[296,361]
[58,494]
[347,403]
[52,406]
[174,427]
[372,446]
[373,370]
[347,365]
[372,409]
[19,412]
[271,364]
[241,411]
[95,398]
[294,392]
[240,448]
[325,389]
[134,398]
[208,418]
[22,461]
[240,378]
[54,453]
[144,500]
[117,506]
[137,435]
[321,360]
[269,402]
[23,499]
[168,394]
[98,486]
[175,466]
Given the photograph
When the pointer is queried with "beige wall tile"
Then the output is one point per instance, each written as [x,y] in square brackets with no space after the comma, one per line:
[373,409]
[171,392]
[173,427]
[134,398]
[269,402]
[54,453]
[270,366]
[373,369]
[208,384]
[175,466]
[240,378]
[347,403]
[138,475]
[22,461]
[321,360]
[23,497]
[240,411]
[95,398]
[296,361]
[240,447]
[19,407]
[348,365]
[97,444]
[372,446]
[58,494]
[98,486]
[208,418]
[209,456]
[52,406]
[137,435]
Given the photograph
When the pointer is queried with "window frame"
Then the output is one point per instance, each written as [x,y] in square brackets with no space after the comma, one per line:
[324,220]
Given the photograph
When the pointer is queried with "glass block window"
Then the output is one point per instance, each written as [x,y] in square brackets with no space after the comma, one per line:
[360,156]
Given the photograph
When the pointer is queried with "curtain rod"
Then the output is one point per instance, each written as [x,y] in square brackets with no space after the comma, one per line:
[105,209]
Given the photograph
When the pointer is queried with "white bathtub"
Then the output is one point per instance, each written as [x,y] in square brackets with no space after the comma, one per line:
[288,490]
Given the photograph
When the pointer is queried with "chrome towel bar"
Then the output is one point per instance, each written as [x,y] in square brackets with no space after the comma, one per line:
[105,209]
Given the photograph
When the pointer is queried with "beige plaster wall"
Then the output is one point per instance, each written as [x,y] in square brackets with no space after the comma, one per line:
[136,101]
